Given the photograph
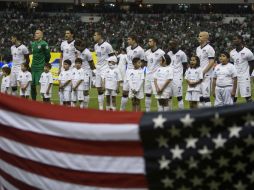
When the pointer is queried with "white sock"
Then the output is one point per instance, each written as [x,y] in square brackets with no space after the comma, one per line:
[81,105]
[180,104]
[101,101]
[124,101]
[166,108]
[148,104]
[208,104]
[107,108]
[73,104]
[86,101]
[201,104]
[113,108]
[14,93]
[60,98]
[160,108]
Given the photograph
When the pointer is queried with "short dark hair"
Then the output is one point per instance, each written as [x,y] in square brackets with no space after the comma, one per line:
[154,39]
[79,60]
[6,70]
[70,30]
[17,36]
[167,59]
[67,61]
[135,60]
[99,33]
[133,37]
[197,59]
[226,54]
[239,37]
[48,65]
[26,65]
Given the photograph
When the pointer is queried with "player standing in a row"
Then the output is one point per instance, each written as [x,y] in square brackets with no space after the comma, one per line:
[103,50]
[206,54]
[133,51]
[243,60]
[179,65]
[87,66]
[20,54]
[152,59]
[41,55]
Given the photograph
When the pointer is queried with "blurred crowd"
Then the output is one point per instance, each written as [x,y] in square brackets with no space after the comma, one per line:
[116,28]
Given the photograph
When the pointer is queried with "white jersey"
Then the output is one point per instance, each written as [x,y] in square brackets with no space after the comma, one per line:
[45,80]
[65,76]
[6,83]
[162,75]
[112,77]
[224,74]
[86,57]
[194,75]
[205,53]
[24,78]
[68,51]
[135,79]
[77,75]
[137,52]
[18,54]
[241,61]
[153,59]
[177,61]
[102,51]
[122,60]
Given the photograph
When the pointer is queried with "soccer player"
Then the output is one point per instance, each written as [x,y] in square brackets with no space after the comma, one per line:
[88,67]
[135,80]
[111,83]
[41,55]
[133,51]
[65,83]
[24,81]
[206,54]
[46,82]
[179,65]
[224,81]
[103,51]
[20,54]
[68,50]
[77,81]
[243,60]
[193,76]
[122,63]
[162,81]
[152,59]
[6,81]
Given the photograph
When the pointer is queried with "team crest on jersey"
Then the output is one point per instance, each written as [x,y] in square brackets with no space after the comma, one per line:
[242,54]
[156,54]
[39,47]
[102,47]
[135,52]
[19,49]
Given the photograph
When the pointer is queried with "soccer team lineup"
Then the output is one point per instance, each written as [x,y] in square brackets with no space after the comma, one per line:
[141,76]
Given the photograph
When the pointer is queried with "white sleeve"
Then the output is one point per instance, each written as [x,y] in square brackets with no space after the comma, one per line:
[170,74]
[29,77]
[211,53]
[119,76]
[201,75]
[184,58]
[186,76]
[25,50]
[50,79]
[215,73]
[89,55]
[142,55]
[250,56]
[231,58]
[40,79]
[110,49]
[233,70]
[61,48]
[145,57]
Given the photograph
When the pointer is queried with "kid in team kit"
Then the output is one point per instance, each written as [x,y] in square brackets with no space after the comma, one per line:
[162,82]
[111,83]
[65,83]
[194,77]
[46,83]
[24,81]
[224,81]
[6,81]
[135,80]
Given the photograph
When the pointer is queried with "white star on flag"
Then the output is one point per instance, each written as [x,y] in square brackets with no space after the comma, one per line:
[158,121]
[234,131]
[217,121]
[205,152]
[187,120]
[164,163]
[177,152]
[219,141]
[191,142]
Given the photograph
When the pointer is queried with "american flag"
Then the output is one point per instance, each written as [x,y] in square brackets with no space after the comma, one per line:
[56,148]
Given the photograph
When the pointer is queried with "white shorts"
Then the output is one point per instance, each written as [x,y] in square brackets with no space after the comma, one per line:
[65,96]
[206,87]
[26,93]
[122,69]
[77,95]
[223,96]
[44,95]
[109,92]
[177,87]
[149,86]
[244,87]
[14,75]
[138,95]
[98,78]
[125,82]
[192,96]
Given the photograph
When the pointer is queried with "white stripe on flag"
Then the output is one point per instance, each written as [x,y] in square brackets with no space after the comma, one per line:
[6,184]
[74,130]
[105,164]
[46,183]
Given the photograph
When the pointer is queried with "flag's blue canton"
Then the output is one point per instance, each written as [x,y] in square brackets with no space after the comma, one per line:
[206,149]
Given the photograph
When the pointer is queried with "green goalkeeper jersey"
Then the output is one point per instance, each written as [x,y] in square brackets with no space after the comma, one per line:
[41,55]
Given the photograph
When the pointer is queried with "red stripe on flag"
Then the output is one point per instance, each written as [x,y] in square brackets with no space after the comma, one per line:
[71,176]
[15,182]
[87,147]
[55,112]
